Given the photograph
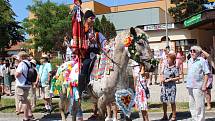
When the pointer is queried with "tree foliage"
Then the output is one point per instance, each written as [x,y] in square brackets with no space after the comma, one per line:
[51,22]
[186,8]
[106,27]
[10,30]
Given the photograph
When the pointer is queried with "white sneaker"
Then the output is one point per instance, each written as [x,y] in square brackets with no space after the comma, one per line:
[114,119]
[108,119]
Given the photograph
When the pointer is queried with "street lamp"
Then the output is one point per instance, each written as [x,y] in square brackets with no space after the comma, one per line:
[166,22]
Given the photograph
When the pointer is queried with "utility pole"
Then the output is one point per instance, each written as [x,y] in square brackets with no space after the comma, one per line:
[166,22]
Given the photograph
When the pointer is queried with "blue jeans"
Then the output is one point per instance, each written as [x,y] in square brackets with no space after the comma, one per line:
[84,76]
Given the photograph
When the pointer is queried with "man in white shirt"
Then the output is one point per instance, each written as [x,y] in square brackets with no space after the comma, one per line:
[22,87]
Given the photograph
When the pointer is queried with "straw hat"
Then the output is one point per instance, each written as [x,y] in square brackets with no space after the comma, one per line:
[33,61]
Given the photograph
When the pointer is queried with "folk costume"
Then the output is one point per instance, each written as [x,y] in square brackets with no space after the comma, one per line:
[79,44]
[96,42]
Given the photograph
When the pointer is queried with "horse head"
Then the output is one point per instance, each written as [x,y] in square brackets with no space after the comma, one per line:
[139,48]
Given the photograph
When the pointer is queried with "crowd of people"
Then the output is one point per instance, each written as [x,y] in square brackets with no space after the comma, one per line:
[199,80]
[7,68]
[25,88]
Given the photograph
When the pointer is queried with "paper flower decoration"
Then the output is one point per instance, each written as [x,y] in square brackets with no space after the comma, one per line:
[127,41]
[125,100]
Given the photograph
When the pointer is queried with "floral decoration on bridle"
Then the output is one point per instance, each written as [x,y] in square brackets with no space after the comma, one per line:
[129,44]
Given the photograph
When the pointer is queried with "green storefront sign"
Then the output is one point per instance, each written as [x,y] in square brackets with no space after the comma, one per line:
[193,20]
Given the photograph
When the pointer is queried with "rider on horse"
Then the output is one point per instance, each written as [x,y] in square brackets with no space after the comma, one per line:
[96,42]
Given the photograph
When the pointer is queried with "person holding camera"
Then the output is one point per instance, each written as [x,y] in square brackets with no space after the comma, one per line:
[169,76]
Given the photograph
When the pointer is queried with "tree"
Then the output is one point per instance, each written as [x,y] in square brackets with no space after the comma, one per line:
[97,24]
[50,24]
[106,27]
[186,8]
[10,30]
[112,30]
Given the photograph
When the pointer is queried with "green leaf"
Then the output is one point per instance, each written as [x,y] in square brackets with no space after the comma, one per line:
[51,23]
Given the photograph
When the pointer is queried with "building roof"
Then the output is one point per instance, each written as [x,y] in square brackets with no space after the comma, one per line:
[16,47]
[140,5]
[100,8]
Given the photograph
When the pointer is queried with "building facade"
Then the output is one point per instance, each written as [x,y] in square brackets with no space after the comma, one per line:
[150,16]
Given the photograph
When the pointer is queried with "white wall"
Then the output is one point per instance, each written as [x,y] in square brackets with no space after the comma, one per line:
[174,34]
[161,45]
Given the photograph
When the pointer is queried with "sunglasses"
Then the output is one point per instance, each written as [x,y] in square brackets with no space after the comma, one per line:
[193,51]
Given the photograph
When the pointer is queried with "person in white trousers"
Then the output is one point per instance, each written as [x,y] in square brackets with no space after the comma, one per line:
[197,77]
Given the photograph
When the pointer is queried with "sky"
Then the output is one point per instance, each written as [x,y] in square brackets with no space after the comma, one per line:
[19,6]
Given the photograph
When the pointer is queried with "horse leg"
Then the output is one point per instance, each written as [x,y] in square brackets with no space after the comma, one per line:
[101,107]
[108,117]
[115,111]
[61,108]
[77,111]
[74,110]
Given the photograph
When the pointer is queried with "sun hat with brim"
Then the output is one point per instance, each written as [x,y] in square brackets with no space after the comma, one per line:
[34,62]
[15,57]
[44,58]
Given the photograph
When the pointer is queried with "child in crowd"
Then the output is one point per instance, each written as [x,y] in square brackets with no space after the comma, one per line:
[142,92]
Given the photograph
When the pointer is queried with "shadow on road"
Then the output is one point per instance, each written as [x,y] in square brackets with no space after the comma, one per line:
[210,119]
[7,107]
[53,116]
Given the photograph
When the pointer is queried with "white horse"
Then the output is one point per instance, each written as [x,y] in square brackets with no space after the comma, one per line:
[104,89]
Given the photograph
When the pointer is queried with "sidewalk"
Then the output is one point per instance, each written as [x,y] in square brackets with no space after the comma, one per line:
[181,96]
[181,93]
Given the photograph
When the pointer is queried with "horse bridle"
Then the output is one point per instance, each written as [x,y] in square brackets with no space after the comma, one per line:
[131,47]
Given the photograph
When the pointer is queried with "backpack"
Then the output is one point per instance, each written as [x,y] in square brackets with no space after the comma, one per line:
[31,73]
